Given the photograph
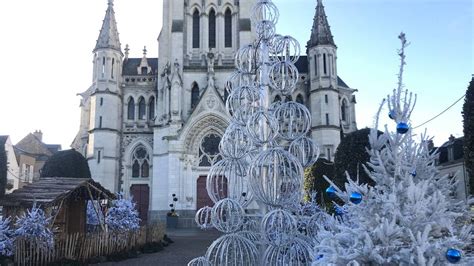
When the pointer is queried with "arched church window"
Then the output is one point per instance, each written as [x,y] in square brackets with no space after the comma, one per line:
[344,110]
[196,29]
[209,150]
[194,95]
[212,29]
[112,68]
[140,163]
[141,108]
[324,64]
[151,108]
[131,109]
[228,28]
[277,99]
[299,99]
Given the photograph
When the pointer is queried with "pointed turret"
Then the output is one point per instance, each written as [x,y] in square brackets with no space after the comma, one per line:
[109,36]
[321,31]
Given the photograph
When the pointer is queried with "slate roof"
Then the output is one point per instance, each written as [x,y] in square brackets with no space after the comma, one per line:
[321,31]
[109,36]
[130,66]
[341,83]
[3,139]
[32,145]
[52,190]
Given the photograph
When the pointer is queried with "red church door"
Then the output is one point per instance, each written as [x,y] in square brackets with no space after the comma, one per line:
[141,196]
[203,198]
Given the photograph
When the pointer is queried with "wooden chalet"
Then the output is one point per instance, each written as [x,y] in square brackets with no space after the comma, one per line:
[64,198]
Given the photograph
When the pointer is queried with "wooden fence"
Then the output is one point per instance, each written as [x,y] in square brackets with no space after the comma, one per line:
[82,247]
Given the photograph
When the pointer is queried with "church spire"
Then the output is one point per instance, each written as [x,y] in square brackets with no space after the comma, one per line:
[321,31]
[109,36]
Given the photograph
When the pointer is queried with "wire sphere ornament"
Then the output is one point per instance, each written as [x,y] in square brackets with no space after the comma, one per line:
[199,261]
[297,253]
[276,178]
[283,77]
[250,235]
[242,103]
[320,220]
[246,59]
[294,120]
[238,79]
[232,250]
[203,218]
[265,29]
[287,48]
[265,10]
[227,216]
[306,150]
[262,127]
[279,227]
[235,143]
[228,179]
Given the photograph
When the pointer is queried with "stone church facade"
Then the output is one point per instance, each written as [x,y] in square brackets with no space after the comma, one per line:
[150,127]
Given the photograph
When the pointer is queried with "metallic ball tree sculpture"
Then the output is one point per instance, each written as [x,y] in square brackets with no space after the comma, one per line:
[265,149]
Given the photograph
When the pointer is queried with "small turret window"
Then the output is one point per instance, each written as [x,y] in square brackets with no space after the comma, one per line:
[344,110]
[141,109]
[228,28]
[131,109]
[324,64]
[212,29]
[98,156]
[196,29]
[326,99]
[100,121]
[327,119]
[316,65]
[103,67]
[112,68]
[194,95]
[144,70]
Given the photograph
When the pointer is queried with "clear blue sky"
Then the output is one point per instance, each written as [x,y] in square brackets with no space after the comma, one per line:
[47,47]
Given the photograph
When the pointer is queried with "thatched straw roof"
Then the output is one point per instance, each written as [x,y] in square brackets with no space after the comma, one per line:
[49,191]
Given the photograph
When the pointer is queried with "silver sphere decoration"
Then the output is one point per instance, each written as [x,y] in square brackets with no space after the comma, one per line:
[287,48]
[199,261]
[265,10]
[235,142]
[246,59]
[232,250]
[279,227]
[228,179]
[265,29]
[238,79]
[306,150]
[297,253]
[203,218]
[242,103]
[262,127]
[276,178]
[294,120]
[320,220]
[283,77]
[227,216]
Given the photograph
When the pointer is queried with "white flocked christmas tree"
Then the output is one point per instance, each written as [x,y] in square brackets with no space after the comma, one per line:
[408,217]
[123,215]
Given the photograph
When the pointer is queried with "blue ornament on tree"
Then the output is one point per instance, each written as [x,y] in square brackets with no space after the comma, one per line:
[391,115]
[413,173]
[453,255]
[331,191]
[355,197]
[402,128]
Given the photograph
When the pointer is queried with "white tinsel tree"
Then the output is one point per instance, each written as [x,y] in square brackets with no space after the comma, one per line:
[408,217]
[94,213]
[123,216]
[6,238]
[34,225]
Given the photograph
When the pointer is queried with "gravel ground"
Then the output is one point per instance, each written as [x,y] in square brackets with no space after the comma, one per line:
[188,244]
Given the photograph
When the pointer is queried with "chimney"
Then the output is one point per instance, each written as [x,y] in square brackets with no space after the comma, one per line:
[451,138]
[38,134]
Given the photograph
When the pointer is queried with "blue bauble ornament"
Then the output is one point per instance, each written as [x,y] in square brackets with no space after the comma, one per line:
[413,173]
[402,128]
[391,114]
[453,255]
[355,197]
[331,191]
[320,256]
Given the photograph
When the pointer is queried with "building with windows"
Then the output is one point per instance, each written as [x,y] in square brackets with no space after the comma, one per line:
[150,127]
[12,168]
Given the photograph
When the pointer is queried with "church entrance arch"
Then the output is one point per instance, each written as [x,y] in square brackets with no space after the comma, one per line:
[141,196]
